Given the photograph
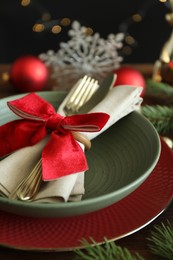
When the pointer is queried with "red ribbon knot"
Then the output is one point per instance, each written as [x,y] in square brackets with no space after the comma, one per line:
[54,122]
[62,155]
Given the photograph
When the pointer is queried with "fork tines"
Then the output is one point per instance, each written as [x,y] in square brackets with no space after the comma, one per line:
[80,94]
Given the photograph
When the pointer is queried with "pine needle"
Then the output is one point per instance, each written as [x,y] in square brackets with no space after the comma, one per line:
[160,90]
[161,239]
[160,116]
[108,251]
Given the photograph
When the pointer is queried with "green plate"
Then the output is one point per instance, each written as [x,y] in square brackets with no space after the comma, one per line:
[119,161]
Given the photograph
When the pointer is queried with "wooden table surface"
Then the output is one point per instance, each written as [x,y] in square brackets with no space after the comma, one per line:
[134,242]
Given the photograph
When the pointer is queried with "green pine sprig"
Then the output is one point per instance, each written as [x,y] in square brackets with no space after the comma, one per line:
[159,90]
[161,240]
[160,244]
[104,252]
[160,116]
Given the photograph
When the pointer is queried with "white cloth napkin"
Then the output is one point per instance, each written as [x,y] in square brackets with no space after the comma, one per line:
[119,102]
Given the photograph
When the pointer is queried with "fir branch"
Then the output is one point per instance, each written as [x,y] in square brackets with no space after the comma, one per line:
[161,244]
[160,90]
[160,116]
[161,239]
[103,252]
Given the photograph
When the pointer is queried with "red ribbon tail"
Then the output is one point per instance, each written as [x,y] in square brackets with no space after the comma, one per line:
[62,156]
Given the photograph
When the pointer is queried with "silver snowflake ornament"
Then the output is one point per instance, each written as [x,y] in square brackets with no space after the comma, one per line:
[83,54]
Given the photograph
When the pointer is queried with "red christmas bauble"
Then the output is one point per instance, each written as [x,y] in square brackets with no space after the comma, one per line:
[130,76]
[29,73]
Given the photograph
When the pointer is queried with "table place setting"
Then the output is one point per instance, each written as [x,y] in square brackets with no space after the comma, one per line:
[125,159]
[86,156]
[117,103]
[128,166]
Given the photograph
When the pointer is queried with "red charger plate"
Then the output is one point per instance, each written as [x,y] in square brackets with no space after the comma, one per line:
[119,220]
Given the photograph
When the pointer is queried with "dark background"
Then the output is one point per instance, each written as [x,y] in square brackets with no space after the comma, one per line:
[109,16]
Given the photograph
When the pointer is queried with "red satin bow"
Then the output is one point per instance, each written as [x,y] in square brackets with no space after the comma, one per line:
[62,155]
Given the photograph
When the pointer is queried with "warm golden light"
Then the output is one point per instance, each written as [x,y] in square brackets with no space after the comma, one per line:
[89,31]
[38,27]
[56,29]
[5,76]
[129,40]
[169,18]
[65,21]
[163,1]
[127,50]
[158,78]
[25,2]
[137,18]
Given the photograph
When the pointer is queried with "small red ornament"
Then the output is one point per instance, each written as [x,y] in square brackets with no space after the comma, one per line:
[130,76]
[29,73]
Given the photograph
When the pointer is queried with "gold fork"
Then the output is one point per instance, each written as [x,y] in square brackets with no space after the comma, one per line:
[80,94]
[77,97]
